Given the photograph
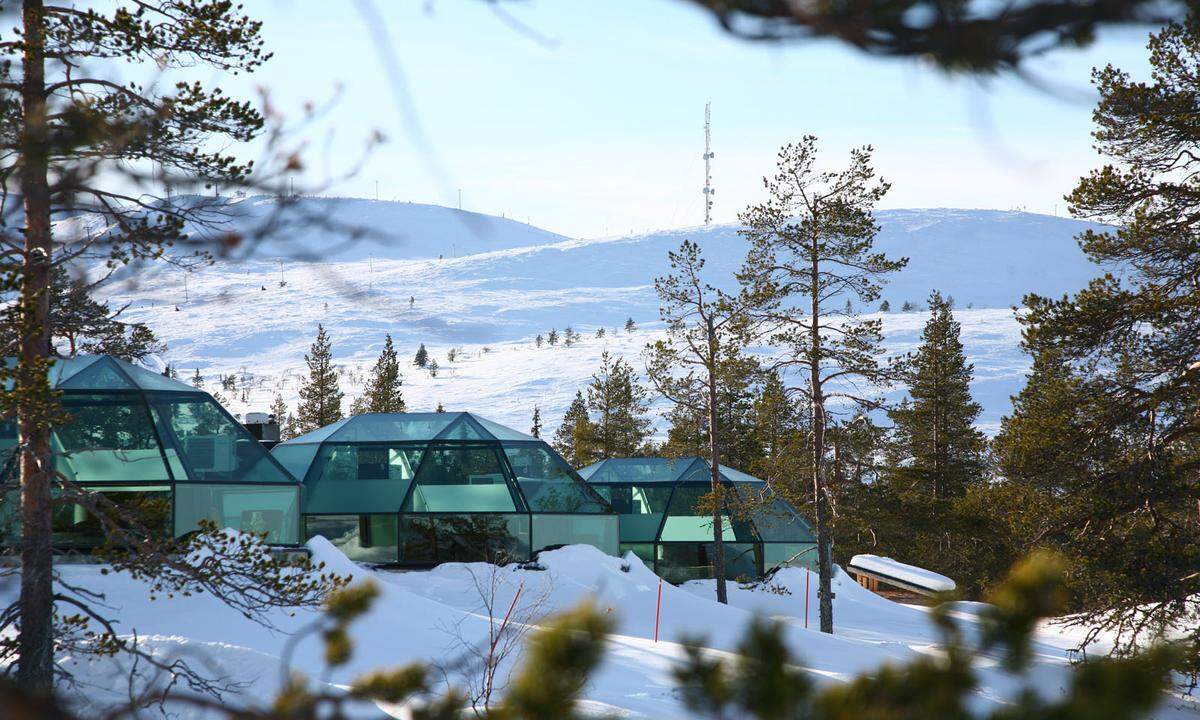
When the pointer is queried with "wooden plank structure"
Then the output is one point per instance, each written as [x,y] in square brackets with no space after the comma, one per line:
[870,579]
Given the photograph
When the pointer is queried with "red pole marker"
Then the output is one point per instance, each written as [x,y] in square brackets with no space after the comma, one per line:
[807,576]
[658,610]
[507,614]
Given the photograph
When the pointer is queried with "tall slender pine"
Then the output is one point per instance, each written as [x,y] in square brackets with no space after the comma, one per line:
[382,394]
[320,398]
[811,251]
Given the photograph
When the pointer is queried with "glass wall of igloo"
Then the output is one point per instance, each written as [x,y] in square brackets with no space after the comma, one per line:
[425,488]
[663,520]
[158,447]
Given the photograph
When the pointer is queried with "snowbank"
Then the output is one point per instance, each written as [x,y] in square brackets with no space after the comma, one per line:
[910,574]
[429,615]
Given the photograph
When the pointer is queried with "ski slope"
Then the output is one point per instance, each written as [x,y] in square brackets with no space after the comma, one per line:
[487,286]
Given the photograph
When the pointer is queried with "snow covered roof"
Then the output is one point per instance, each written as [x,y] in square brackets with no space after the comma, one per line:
[411,427]
[103,372]
[659,470]
[889,569]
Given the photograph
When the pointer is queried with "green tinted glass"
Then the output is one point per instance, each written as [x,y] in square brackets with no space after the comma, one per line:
[461,478]
[687,520]
[205,440]
[253,509]
[363,538]
[641,508]
[149,507]
[680,562]
[599,531]
[109,438]
[790,555]
[548,482]
[8,441]
[431,539]
[645,551]
[357,478]
[103,374]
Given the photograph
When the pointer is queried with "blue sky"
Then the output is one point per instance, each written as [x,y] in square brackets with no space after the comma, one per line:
[596,127]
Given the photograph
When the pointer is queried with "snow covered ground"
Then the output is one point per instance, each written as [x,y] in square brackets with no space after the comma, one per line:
[487,286]
[428,615]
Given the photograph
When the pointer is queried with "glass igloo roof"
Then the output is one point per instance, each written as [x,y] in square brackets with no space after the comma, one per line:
[131,425]
[432,463]
[658,499]
[102,372]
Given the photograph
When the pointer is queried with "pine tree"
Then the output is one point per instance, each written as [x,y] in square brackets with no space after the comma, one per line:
[422,356]
[600,332]
[689,367]
[885,306]
[432,367]
[279,410]
[536,427]
[382,393]
[629,325]
[439,408]
[537,341]
[320,397]
[575,438]
[619,404]
[568,336]
[198,380]
[169,371]
[1122,464]
[908,306]
[451,354]
[811,243]
[552,338]
[936,447]
[79,137]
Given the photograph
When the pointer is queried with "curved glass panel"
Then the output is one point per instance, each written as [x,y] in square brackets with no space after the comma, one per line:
[548,483]
[687,520]
[790,555]
[8,442]
[363,538]
[109,438]
[253,509]
[390,427]
[502,432]
[641,508]
[432,539]
[296,459]
[680,562]
[360,478]
[147,380]
[102,374]
[204,441]
[644,551]
[75,527]
[464,428]
[599,531]
[319,435]
[461,478]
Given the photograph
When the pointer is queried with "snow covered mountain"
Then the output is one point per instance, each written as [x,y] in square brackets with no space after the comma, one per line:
[486,286]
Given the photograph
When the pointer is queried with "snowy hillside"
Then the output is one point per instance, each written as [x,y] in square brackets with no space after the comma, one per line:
[429,616]
[497,283]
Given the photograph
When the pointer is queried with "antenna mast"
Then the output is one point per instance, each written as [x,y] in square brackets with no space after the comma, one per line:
[708,156]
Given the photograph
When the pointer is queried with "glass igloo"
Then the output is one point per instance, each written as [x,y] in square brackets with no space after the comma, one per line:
[420,489]
[658,500]
[158,447]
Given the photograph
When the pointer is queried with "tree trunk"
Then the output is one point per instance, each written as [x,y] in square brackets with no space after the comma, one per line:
[714,454]
[824,561]
[35,645]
